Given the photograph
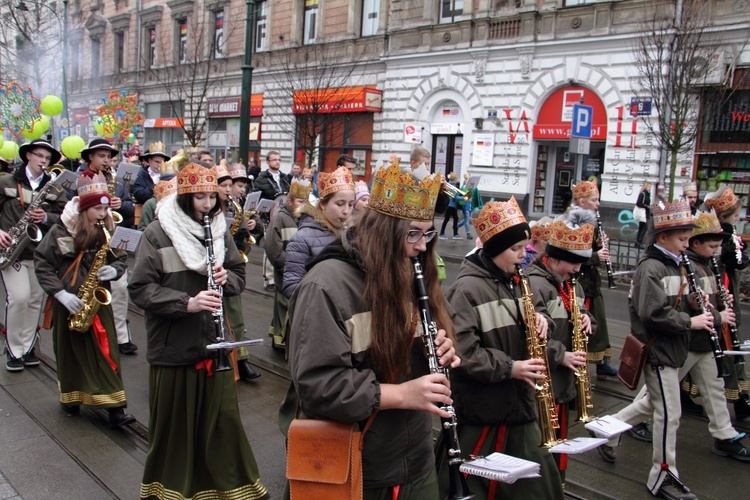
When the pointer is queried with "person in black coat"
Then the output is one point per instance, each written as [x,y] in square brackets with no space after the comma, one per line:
[644,202]
[148,176]
[272,182]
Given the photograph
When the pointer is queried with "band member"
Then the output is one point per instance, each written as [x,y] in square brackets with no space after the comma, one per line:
[586,196]
[282,228]
[568,248]
[74,254]
[24,296]
[318,225]
[690,194]
[166,185]
[353,329]
[361,200]
[150,174]
[197,445]
[254,225]
[493,389]
[540,233]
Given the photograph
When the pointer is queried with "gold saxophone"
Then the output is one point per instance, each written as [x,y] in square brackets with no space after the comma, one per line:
[111,184]
[545,398]
[239,215]
[580,342]
[91,292]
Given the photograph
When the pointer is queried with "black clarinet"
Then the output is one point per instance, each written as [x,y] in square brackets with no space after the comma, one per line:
[459,490]
[607,262]
[222,358]
[697,294]
[723,298]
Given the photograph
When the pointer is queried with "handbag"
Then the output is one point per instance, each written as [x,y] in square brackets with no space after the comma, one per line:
[639,214]
[632,361]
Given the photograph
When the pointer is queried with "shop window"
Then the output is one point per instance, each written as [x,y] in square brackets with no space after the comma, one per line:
[261,26]
[370,13]
[310,21]
[345,133]
[451,11]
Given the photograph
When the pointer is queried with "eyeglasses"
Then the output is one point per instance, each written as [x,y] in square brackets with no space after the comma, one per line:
[41,156]
[414,235]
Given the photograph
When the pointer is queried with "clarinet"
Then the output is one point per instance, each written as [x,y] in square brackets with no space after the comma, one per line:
[607,262]
[722,295]
[697,294]
[459,490]
[222,360]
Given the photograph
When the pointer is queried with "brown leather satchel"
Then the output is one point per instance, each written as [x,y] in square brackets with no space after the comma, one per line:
[632,361]
[324,460]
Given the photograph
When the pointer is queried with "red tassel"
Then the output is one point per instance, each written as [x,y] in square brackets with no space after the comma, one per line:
[206,364]
[100,334]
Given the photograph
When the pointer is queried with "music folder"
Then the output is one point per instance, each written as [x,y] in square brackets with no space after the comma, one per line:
[125,239]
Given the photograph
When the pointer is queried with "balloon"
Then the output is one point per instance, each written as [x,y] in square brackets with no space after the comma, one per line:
[32,130]
[9,151]
[51,105]
[71,146]
[2,141]
[131,137]
[105,126]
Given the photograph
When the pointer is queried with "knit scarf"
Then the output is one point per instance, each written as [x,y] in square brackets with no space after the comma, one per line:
[187,235]
[70,215]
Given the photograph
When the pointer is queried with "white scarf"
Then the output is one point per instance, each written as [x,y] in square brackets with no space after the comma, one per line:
[70,215]
[187,235]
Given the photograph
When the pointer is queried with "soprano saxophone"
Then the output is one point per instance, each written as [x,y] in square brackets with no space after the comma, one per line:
[545,398]
[580,342]
[91,292]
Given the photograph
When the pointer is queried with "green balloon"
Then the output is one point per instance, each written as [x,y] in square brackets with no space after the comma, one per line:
[71,146]
[2,141]
[9,150]
[51,105]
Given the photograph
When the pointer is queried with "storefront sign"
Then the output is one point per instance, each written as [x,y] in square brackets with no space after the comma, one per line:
[163,123]
[413,133]
[484,148]
[555,117]
[446,129]
[338,100]
[731,119]
[229,107]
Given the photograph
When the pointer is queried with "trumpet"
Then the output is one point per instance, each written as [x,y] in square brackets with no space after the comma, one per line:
[453,191]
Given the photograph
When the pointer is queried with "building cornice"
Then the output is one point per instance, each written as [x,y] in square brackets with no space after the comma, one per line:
[120,22]
[151,15]
[181,9]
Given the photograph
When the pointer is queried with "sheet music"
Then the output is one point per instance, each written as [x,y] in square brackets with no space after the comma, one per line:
[264,206]
[737,353]
[66,180]
[252,201]
[578,445]
[420,172]
[127,173]
[501,467]
[125,239]
[473,182]
[607,427]
[745,346]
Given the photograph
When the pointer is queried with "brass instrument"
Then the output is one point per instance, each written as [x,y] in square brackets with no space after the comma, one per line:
[545,398]
[608,262]
[222,361]
[454,192]
[580,342]
[25,231]
[239,216]
[459,489]
[91,292]
[111,185]
[729,332]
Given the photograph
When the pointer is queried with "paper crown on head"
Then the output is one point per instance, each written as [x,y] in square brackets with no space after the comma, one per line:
[196,178]
[156,147]
[397,194]
[675,215]
[300,188]
[571,244]
[165,188]
[238,172]
[689,186]
[540,230]
[706,223]
[92,190]
[724,199]
[171,166]
[584,189]
[496,217]
[222,173]
[360,190]
[331,182]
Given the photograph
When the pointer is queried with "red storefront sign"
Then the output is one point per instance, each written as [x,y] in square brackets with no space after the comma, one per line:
[554,120]
[163,123]
[229,107]
[80,115]
[338,100]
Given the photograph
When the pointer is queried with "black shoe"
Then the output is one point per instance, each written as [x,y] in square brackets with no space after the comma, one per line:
[118,417]
[688,405]
[742,407]
[71,409]
[604,369]
[641,432]
[673,490]
[14,364]
[606,451]
[468,236]
[247,373]
[128,348]
[732,448]
[270,287]
[30,359]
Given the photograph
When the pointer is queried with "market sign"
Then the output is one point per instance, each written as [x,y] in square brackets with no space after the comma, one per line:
[730,117]
[338,100]
[229,107]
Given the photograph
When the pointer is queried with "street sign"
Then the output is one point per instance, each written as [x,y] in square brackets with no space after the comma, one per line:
[640,106]
[583,116]
[579,145]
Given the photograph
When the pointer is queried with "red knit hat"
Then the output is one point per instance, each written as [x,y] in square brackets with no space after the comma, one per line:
[92,190]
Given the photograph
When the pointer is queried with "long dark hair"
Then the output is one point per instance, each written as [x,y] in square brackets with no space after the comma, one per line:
[390,292]
[89,236]
[185,202]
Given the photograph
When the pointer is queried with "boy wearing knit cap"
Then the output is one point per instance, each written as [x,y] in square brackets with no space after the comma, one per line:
[493,389]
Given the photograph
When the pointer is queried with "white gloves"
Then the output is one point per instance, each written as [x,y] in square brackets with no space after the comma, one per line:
[106,273]
[71,301]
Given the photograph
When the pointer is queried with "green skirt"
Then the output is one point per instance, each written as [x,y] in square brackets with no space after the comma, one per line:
[236,322]
[197,445]
[278,322]
[84,365]
[599,342]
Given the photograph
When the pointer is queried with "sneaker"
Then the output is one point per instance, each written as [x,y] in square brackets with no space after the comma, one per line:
[118,417]
[443,237]
[604,369]
[30,359]
[742,407]
[732,448]
[688,405]
[246,372]
[641,432]
[128,348]
[674,490]
[606,451]
[457,237]
[469,236]
[270,287]
[14,364]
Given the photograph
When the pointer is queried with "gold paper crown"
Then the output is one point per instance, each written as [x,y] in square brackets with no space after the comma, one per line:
[675,215]
[584,189]
[574,240]
[86,185]
[237,171]
[689,186]
[156,147]
[339,179]
[541,229]
[725,201]
[300,188]
[165,188]
[706,223]
[171,166]
[395,193]
[221,171]
[496,217]
[196,178]
[360,187]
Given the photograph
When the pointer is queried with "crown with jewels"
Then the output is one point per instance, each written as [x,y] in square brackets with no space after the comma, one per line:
[397,194]
[675,215]
[585,189]
[90,185]
[580,239]
[706,223]
[156,147]
[339,179]
[540,230]
[496,217]
[300,188]
[196,178]
[222,171]
[165,188]
[725,200]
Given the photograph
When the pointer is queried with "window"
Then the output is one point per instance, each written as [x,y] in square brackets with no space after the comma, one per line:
[95,53]
[182,28]
[370,13]
[75,59]
[218,48]
[341,133]
[451,10]
[119,52]
[311,20]
[260,26]
[151,33]
[572,3]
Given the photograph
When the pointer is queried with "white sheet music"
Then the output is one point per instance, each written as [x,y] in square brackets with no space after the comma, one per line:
[125,239]
[607,427]
[232,345]
[66,180]
[127,173]
[264,206]
[737,353]
[252,201]
[501,467]
[578,445]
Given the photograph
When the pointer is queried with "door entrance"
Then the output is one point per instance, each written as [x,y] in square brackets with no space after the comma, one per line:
[564,179]
[447,153]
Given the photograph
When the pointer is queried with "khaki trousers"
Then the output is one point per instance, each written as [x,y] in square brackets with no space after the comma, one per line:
[23,305]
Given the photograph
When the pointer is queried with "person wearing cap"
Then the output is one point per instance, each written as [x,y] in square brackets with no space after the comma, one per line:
[190,457]
[88,364]
[239,189]
[24,296]
[149,175]
[568,248]
[318,225]
[493,389]
[353,355]
[690,194]
[537,247]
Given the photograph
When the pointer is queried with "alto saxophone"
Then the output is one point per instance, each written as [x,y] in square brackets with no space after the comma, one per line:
[545,398]
[239,215]
[111,185]
[580,342]
[91,292]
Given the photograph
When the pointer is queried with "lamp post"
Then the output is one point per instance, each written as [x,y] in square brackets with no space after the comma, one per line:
[247,83]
